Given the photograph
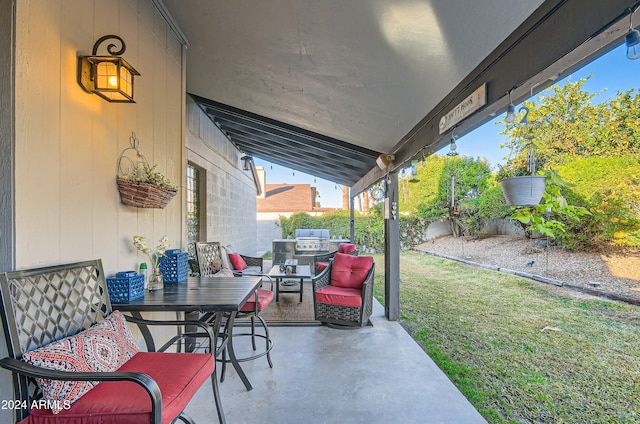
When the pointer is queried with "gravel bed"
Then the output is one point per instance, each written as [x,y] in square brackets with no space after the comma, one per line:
[614,275]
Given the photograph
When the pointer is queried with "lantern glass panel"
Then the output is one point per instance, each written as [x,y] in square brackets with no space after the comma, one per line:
[106,76]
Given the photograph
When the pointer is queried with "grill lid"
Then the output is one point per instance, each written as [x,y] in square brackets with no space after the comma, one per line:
[311,232]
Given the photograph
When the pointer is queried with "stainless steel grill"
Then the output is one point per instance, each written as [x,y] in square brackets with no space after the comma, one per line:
[311,241]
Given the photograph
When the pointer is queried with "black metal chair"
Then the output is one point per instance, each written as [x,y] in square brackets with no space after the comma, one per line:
[58,304]
[210,255]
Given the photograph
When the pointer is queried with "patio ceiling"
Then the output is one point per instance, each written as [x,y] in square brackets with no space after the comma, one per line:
[290,146]
[325,86]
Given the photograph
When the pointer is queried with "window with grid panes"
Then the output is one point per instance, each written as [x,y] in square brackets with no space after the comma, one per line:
[194,208]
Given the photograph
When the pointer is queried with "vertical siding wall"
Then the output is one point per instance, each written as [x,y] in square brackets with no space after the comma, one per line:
[68,141]
[231,192]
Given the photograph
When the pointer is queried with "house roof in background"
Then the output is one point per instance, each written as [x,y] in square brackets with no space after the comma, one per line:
[288,198]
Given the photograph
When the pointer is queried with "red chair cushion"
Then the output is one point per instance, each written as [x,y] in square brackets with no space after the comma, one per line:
[346,248]
[237,261]
[264,298]
[179,376]
[350,271]
[320,266]
[340,296]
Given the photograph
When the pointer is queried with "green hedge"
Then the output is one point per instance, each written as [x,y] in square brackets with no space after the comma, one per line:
[369,229]
[610,189]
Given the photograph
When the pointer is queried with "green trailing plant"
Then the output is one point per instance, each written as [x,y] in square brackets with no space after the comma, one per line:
[144,173]
[546,217]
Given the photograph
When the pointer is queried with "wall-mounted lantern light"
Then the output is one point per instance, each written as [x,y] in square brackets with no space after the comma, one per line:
[246,163]
[110,77]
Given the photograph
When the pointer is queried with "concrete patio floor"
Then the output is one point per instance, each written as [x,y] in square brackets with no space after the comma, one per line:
[376,374]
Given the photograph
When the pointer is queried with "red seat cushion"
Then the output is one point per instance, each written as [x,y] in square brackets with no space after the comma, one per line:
[264,298]
[340,296]
[179,376]
[320,266]
[346,248]
[350,271]
[237,261]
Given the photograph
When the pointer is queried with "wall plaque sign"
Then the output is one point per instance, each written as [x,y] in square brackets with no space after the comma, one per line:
[475,101]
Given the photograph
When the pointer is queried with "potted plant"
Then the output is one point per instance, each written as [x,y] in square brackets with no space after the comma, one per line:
[145,187]
[139,184]
[547,216]
[520,184]
[524,189]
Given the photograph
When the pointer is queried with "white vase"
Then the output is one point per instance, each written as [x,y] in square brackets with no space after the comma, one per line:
[155,280]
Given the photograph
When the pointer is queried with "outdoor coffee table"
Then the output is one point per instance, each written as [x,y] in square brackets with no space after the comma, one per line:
[282,278]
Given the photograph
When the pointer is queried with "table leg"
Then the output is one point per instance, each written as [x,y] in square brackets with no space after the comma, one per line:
[232,354]
[278,281]
[301,287]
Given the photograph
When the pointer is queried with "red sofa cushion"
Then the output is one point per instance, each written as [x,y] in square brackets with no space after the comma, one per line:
[264,298]
[340,296]
[179,376]
[350,271]
[237,261]
[346,248]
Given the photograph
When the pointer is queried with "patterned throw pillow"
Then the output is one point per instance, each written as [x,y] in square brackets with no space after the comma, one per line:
[104,347]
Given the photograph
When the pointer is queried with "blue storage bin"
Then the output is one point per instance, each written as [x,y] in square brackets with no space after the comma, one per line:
[124,289]
[174,266]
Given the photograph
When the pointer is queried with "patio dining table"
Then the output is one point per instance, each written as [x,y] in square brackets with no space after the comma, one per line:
[200,294]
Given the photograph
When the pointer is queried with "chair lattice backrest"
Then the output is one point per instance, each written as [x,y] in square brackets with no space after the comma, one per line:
[209,258]
[47,304]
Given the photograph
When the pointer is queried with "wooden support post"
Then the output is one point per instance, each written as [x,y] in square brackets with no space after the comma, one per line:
[352,222]
[391,249]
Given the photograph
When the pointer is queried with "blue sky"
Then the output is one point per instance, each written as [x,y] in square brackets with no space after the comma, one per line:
[611,72]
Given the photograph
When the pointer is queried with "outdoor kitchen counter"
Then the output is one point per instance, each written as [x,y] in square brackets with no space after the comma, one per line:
[283,249]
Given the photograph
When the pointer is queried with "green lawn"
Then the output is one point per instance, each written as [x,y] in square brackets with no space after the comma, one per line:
[518,352]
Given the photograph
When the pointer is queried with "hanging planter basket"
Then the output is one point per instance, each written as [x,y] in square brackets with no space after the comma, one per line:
[140,194]
[144,195]
[525,190]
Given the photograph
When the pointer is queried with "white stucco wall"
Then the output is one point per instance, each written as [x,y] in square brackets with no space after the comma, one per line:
[269,229]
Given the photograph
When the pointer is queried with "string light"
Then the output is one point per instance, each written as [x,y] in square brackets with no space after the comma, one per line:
[511,110]
[632,39]
[452,144]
